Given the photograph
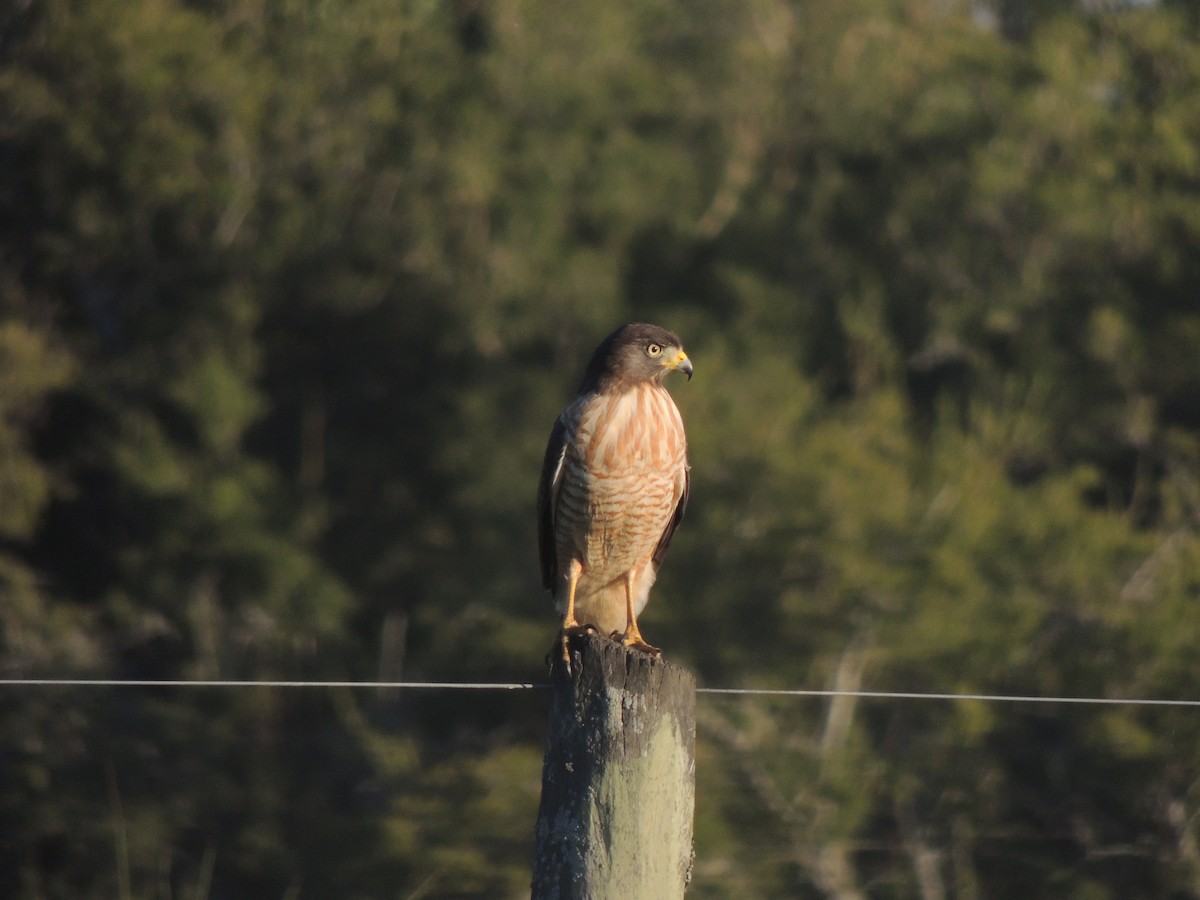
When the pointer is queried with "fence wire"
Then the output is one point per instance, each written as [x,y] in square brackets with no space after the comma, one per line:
[532,686]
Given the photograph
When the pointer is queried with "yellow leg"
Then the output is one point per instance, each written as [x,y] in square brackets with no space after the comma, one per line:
[633,635]
[573,573]
[570,624]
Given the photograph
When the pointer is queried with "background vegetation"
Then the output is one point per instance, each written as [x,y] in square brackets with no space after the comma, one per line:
[291,291]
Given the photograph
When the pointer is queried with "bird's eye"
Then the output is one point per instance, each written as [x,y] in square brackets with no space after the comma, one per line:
[654,349]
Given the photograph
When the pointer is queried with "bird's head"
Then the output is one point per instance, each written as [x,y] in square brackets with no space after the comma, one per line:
[635,354]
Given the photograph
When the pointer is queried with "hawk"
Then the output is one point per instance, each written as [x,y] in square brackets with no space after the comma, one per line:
[614,485]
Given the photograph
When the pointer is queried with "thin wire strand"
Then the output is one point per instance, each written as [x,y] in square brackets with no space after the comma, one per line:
[912,695]
[526,686]
[407,685]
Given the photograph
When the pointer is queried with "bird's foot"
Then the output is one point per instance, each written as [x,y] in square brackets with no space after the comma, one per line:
[569,631]
[634,641]
[562,646]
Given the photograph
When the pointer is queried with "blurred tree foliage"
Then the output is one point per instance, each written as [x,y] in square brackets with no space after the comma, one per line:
[290,292]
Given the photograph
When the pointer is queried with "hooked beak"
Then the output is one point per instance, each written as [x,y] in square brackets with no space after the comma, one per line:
[680,363]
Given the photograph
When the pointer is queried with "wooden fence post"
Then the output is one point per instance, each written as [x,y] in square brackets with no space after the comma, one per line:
[619,777]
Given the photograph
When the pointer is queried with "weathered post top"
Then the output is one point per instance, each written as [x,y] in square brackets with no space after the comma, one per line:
[618,781]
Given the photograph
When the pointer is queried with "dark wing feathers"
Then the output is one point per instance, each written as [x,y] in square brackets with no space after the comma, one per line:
[552,465]
[664,542]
